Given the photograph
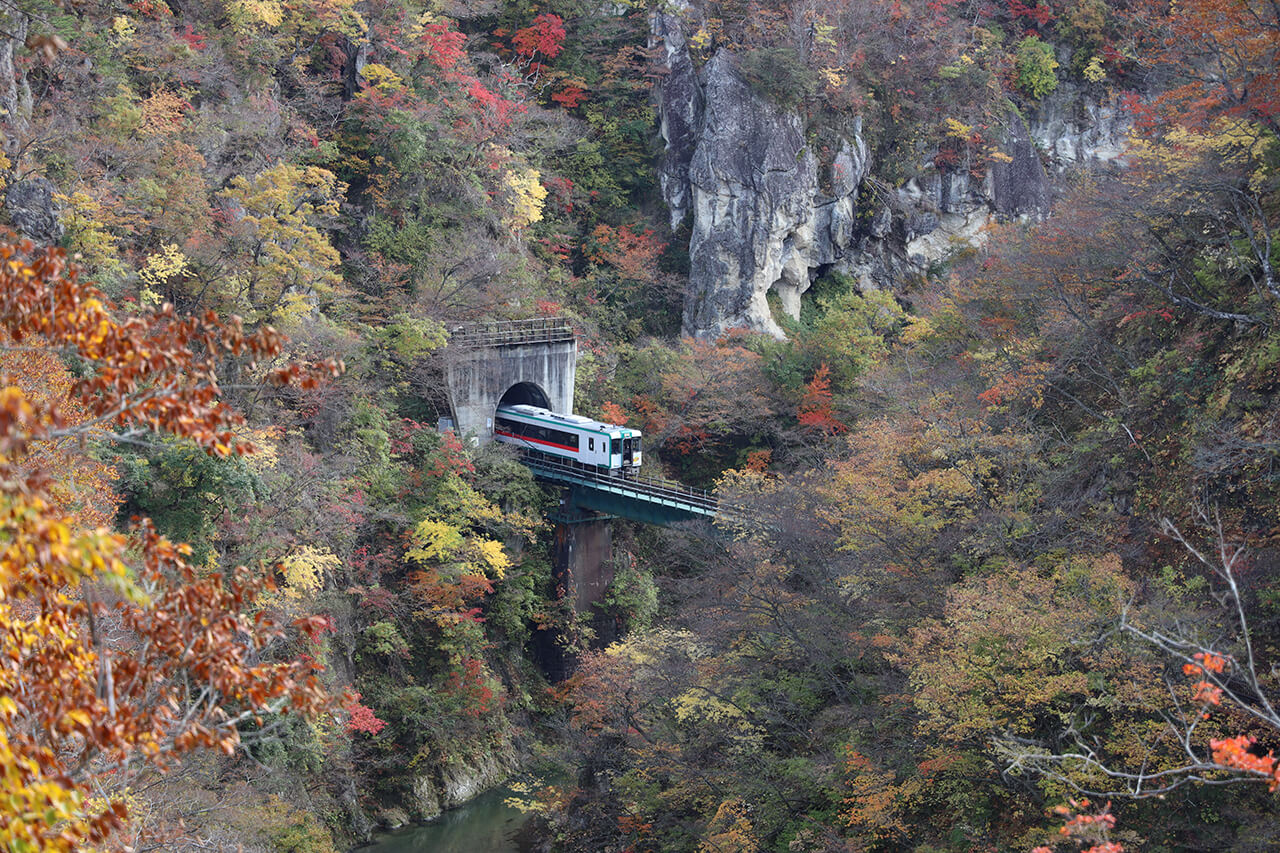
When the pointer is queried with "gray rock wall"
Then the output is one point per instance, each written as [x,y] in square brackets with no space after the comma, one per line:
[739,164]
[767,216]
[431,794]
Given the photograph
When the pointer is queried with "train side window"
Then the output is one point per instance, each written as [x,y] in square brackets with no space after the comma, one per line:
[591,444]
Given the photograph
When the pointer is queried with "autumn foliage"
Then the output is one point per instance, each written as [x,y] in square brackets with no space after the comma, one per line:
[119,656]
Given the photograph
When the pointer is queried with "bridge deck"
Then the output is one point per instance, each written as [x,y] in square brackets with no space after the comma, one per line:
[500,333]
[645,499]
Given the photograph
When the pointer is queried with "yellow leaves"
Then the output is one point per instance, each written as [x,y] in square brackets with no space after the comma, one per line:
[916,330]
[440,542]
[1093,71]
[525,197]
[833,78]
[823,34]
[435,540]
[280,213]
[381,78]
[168,263]
[1012,635]
[730,830]
[87,234]
[249,14]
[1229,142]
[493,557]
[958,129]
[304,571]
[122,30]
[266,453]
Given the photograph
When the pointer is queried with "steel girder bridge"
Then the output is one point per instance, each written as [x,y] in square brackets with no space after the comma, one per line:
[642,499]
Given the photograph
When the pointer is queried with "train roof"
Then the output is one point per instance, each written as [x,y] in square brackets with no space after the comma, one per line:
[569,420]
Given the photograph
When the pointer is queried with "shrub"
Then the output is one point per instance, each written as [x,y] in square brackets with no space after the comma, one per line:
[1034,64]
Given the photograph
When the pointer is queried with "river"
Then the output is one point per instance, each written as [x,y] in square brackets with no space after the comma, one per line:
[483,825]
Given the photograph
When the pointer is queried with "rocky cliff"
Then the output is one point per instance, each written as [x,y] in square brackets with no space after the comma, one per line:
[767,214]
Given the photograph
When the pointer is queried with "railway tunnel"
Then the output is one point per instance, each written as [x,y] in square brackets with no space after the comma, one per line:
[522,361]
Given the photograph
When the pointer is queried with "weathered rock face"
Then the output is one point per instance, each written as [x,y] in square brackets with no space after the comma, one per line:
[752,180]
[1020,186]
[33,210]
[680,100]
[1073,128]
[431,794]
[740,165]
[768,216]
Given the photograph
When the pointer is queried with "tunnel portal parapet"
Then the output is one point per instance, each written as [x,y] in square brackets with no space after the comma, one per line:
[485,361]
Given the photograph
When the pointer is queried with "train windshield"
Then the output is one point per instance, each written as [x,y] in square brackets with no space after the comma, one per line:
[636,445]
[615,446]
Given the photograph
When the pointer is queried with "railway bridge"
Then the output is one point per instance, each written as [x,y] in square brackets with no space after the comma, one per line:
[535,362]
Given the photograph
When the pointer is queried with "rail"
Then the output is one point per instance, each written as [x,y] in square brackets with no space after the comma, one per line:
[536,330]
[644,486]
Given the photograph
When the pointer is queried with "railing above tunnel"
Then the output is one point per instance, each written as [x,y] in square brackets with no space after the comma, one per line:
[498,333]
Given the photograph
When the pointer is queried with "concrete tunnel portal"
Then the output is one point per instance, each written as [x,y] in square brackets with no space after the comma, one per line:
[535,369]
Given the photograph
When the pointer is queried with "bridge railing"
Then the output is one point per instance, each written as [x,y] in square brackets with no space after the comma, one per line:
[645,485]
[535,330]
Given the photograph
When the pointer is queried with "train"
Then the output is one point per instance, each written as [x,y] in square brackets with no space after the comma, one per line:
[610,449]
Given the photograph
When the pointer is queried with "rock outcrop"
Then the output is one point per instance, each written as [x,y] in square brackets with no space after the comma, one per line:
[34,210]
[767,215]
[740,165]
[431,794]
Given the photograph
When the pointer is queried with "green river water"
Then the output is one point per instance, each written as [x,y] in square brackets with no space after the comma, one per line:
[483,825]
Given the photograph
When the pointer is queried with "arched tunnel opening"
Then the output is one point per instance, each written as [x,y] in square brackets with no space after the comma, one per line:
[527,394]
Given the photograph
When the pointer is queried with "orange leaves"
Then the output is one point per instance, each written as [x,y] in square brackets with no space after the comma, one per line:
[1217,664]
[107,670]
[815,408]
[158,372]
[1092,828]
[874,803]
[632,252]
[1235,753]
[612,413]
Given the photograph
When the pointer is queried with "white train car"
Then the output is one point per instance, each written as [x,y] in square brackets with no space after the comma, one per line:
[611,449]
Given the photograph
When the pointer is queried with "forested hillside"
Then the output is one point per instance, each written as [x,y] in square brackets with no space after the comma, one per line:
[965,308]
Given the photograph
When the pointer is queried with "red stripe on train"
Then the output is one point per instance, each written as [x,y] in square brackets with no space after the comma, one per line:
[535,440]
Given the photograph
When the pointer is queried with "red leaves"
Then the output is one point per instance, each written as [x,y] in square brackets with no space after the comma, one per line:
[815,409]
[362,718]
[443,46]
[472,682]
[1037,14]
[569,97]
[191,38]
[632,252]
[545,36]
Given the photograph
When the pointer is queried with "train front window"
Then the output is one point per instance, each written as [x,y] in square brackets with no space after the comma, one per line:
[636,445]
[615,446]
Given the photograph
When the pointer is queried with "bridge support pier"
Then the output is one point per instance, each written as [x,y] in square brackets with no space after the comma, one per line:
[583,558]
[582,565]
